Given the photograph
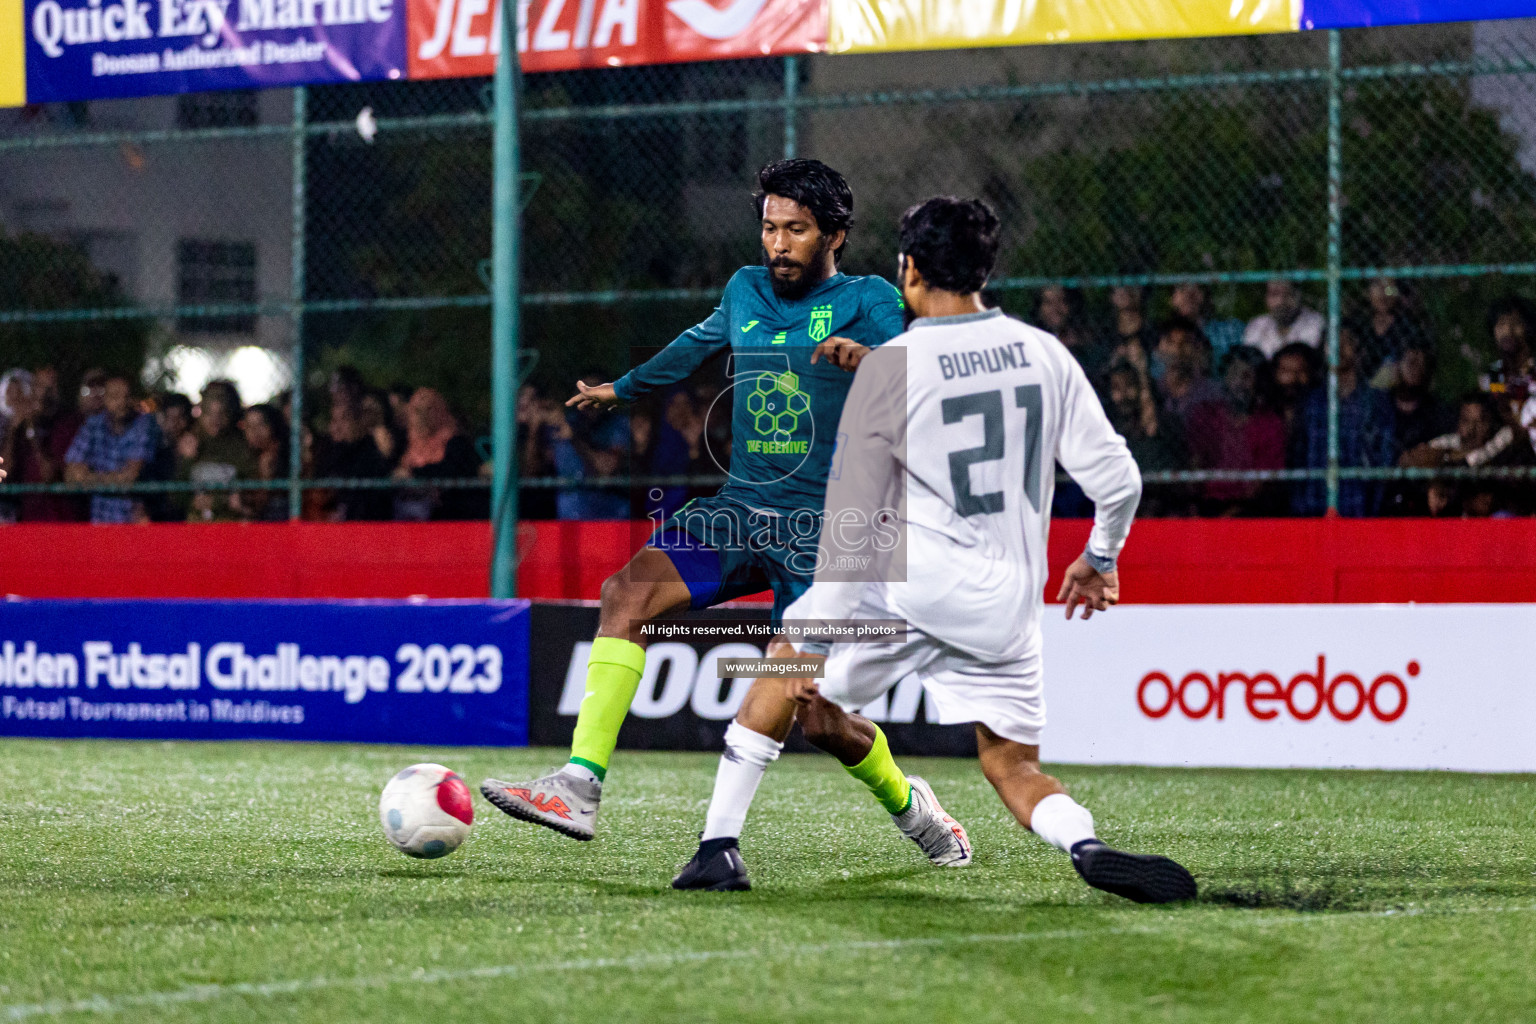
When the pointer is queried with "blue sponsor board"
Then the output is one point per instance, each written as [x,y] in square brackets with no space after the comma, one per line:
[439,672]
[1360,13]
[93,49]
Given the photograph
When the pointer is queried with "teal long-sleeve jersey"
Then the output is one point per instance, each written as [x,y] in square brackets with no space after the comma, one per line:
[784,409]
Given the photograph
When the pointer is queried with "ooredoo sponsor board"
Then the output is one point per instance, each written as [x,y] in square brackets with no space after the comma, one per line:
[1346,686]
[1363,686]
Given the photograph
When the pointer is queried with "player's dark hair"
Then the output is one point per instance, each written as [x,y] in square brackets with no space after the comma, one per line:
[952,242]
[814,186]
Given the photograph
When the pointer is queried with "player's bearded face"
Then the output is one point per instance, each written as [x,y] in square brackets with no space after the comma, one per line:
[796,272]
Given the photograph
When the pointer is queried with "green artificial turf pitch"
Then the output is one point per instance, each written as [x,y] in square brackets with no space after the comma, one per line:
[171,882]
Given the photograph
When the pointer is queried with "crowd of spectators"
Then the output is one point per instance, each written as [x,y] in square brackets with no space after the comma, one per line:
[112,436]
[1187,389]
[1196,393]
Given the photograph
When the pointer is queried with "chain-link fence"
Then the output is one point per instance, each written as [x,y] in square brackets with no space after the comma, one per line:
[1359,207]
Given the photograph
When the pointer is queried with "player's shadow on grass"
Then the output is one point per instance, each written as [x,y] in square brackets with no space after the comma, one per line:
[1342,893]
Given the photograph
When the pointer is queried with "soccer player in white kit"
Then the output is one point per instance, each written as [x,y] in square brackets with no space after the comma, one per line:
[951,433]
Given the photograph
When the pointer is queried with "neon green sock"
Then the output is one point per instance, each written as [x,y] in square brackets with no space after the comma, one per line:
[878,771]
[613,675]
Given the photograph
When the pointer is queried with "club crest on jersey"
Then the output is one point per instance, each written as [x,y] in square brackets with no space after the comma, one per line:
[821,323]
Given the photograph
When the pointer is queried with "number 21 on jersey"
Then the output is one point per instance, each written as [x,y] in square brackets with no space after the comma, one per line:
[989,406]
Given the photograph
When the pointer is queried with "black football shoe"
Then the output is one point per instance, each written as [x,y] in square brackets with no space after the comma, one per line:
[717,867]
[1141,877]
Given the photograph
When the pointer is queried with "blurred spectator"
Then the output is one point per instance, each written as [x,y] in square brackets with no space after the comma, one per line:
[266,433]
[346,387]
[1287,321]
[534,457]
[376,411]
[591,443]
[675,448]
[173,458]
[1238,432]
[40,445]
[1193,301]
[1365,439]
[1296,371]
[1134,415]
[1513,325]
[1481,438]
[1386,332]
[1130,326]
[1060,311]
[436,449]
[1418,416]
[221,455]
[349,451]
[16,411]
[113,447]
[92,397]
[1186,358]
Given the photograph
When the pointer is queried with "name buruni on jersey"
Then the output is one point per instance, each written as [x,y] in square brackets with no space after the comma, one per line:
[56,26]
[229,667]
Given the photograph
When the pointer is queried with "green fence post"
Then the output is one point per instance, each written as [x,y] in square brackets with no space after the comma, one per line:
[1335,259]
[505,302]
[296,303]
[791,96]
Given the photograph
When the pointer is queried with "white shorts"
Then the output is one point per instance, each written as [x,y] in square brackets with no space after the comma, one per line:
[1006,697]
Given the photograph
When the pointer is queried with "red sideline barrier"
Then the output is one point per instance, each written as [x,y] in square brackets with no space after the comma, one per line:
[1221,561]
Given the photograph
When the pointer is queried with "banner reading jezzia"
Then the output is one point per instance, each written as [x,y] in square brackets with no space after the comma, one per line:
[442,672]
[458,38]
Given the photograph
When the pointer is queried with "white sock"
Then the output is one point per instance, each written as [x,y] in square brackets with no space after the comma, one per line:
[580,771]
[747,755]
[1061,821]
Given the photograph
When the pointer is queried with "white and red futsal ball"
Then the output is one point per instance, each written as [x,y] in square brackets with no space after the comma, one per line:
[426,811]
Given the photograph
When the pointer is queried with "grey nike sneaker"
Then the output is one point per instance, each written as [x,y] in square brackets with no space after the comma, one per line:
[932,829]
[561,802]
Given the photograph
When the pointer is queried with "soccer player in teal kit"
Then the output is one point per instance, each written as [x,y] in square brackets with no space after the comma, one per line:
[795,329]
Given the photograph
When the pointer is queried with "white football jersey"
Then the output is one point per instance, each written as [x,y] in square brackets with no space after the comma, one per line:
[955,429]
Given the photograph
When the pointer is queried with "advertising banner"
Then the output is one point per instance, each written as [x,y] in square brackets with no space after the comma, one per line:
[1328,686]
[458,38]
[857,26]
[1360,13]
[683,704]
[438,672]
[96,49]
[1325,686]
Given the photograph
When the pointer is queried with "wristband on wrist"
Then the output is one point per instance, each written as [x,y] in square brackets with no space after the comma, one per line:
[1098,563]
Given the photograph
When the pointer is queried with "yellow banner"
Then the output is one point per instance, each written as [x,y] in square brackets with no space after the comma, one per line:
[864,26]
[13,66]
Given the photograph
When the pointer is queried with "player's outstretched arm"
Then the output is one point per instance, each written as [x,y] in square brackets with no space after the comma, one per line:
[600,396]
[1084,585]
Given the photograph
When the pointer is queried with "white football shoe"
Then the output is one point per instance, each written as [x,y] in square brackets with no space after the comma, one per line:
[940,837]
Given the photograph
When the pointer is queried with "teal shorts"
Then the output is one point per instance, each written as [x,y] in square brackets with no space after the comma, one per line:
[724,549]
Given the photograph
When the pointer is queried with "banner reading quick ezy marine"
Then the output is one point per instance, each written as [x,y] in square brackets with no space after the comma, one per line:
[439,672]
[92,49]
